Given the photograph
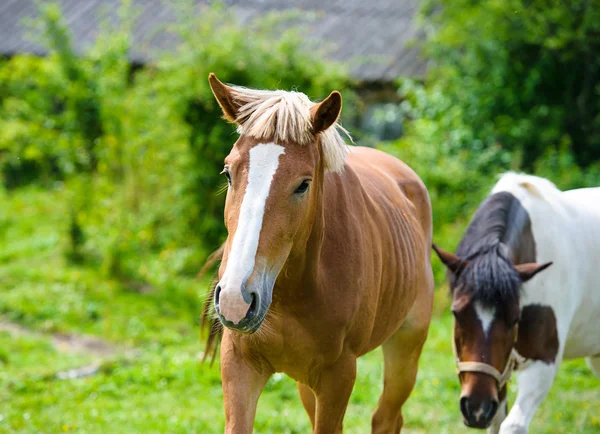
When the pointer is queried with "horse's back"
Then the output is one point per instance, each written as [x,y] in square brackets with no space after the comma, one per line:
[383,173]
[396,226]
[587,200]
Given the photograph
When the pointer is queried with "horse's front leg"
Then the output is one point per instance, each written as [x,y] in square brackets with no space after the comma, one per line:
[242,385]
[533,383]
[333,389]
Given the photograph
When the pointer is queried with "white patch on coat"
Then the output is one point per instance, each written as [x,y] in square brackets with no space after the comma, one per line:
[264,161]
[486,315]
[534,383]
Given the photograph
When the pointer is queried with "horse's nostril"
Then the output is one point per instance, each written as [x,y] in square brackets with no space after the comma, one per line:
[217,293]
[465,408]
[253,306]
[491,410]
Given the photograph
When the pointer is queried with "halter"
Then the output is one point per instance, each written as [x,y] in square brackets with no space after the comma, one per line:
[514,362]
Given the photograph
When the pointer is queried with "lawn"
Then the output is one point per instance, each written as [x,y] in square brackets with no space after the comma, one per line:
[144,349]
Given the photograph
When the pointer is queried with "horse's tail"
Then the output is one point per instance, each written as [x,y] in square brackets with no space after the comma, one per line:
[208,318]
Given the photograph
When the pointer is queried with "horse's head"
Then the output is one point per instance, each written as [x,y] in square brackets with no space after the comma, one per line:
[275,177]
[485,290]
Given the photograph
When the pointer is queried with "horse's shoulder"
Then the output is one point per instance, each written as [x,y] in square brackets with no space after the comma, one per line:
[538,333]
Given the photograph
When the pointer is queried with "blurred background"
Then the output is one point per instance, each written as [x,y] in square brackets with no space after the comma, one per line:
[111,146]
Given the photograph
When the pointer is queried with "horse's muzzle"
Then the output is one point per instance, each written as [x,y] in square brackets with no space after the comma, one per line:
[478,414]
[236,313]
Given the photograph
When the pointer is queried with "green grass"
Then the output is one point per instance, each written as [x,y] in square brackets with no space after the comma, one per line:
[154,382]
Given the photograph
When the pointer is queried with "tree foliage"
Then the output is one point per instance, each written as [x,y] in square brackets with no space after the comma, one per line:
[140,150]
[522,73]
[513,85]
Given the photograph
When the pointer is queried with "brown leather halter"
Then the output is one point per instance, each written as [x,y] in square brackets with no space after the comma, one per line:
[515,361]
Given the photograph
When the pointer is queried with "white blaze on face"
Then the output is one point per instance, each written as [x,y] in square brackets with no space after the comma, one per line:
[486,316]
[264,160]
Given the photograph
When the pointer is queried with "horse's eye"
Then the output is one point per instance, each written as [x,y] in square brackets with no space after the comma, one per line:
[227,175]
[303,187]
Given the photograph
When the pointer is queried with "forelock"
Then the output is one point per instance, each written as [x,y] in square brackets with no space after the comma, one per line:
[284,117]
[490,278]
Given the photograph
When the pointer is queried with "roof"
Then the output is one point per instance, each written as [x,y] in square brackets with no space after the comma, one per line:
[374,37]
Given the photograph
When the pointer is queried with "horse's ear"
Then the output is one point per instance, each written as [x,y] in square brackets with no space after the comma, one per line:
[460,302]
[527,271]
[450,260]
[223,95]
[327,112]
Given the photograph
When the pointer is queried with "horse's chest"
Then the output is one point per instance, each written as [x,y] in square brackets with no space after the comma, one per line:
[299,350]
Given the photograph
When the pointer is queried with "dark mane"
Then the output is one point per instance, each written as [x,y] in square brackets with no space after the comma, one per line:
[498,237]
[489,277]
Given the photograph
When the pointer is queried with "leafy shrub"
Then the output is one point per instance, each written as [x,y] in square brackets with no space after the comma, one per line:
[140,150]
[521,73]
[513,86]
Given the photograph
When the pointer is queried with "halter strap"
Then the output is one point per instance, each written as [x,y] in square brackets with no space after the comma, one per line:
[515,361]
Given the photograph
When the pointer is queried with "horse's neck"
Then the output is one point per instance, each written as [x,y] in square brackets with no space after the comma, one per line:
[501,220]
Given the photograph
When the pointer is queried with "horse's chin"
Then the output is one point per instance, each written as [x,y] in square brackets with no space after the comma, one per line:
[477,425]
[246,326]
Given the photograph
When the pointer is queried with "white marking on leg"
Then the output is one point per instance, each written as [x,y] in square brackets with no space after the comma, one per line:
[264,161]
[486,315]
[534,383]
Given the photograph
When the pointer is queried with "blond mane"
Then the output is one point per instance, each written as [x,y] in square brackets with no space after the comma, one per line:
[285,117]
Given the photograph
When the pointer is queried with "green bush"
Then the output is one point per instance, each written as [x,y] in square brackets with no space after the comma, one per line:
[35,144]
[459,170]
[522,73]
[140,150]
[513,85]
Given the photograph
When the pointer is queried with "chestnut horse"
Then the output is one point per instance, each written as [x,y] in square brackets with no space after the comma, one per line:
[326,259]
[508,319]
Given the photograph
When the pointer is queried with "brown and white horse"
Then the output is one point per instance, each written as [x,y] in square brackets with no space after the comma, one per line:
[326,259]
[505,318]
